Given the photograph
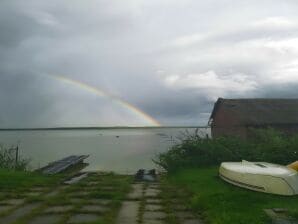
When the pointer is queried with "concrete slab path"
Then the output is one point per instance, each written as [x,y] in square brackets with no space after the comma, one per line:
[145,205]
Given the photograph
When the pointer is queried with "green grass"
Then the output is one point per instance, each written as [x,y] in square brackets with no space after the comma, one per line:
[193,151]
[21,179]
[222,203]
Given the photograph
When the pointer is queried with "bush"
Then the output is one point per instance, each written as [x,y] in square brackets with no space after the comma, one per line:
[8,160]
[194,151]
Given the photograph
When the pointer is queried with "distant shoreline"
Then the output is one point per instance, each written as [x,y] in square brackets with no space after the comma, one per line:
[96,128]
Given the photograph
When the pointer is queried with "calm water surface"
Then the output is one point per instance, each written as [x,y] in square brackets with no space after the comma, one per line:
[133,149]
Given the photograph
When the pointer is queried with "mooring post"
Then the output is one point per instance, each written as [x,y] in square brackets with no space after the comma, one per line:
[17,155]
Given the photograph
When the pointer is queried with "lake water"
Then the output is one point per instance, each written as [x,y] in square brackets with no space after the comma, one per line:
[133,149]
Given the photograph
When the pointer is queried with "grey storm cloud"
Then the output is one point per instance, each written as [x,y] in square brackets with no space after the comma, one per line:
[171,59]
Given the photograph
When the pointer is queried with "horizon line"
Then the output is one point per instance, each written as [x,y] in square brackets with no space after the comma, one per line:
[100,127]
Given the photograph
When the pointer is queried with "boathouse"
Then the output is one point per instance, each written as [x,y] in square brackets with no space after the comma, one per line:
[237,116]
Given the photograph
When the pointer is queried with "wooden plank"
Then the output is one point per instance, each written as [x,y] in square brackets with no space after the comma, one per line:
[62,164]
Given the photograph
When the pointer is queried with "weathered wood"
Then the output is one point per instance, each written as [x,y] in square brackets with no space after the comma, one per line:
[62,164]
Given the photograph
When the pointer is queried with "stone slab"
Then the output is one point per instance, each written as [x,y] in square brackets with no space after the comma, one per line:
[137,192]
[19,213]
[152,221]
[52,194]
[64,187]
[14,201]
[92,183]
[83,218]
[175,201]
[100,201]
[33,194]
[128,213]
[154,215]
[58,209]
[153,207]
[280,210]
[75,200]
[179,207]
[153,201]
[94,208]
[153,186]
[108,188]
[152,192]
[39,189]
[45,219]
[184,215]
[79,194]
[5,208]
[76,179]
[191,221]
[91,188]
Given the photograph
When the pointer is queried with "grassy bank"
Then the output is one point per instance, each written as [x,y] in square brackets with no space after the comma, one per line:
[219,202]
[10,179]
[222,203]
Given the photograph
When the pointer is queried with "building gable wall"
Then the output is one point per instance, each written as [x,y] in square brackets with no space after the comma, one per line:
[226,123]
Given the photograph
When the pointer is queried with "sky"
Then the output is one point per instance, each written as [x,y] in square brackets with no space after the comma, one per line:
[141,62]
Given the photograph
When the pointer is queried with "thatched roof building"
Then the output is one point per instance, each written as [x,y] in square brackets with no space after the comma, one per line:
[235,116]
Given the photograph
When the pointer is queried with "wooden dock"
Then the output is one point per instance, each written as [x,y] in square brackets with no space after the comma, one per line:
[63,164]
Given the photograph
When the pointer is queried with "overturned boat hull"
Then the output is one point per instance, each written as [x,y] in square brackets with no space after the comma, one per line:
[261,176]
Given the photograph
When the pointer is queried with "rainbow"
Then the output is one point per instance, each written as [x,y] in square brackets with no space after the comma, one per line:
[101,93]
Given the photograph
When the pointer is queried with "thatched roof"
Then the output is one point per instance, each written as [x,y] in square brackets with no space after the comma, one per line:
[260,111]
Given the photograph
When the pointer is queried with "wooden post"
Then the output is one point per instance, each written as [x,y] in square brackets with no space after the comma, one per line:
[17,157]
[17,154]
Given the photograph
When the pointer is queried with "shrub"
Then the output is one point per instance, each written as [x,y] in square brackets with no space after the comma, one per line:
[8,160]
[194,151]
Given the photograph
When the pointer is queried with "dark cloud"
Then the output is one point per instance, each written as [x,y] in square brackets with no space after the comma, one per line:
[179,107]
[23,101]
[172,59]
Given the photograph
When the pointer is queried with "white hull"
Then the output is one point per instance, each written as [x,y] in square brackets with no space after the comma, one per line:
[260,176]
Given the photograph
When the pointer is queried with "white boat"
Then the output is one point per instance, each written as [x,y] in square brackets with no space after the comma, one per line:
[261,176]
